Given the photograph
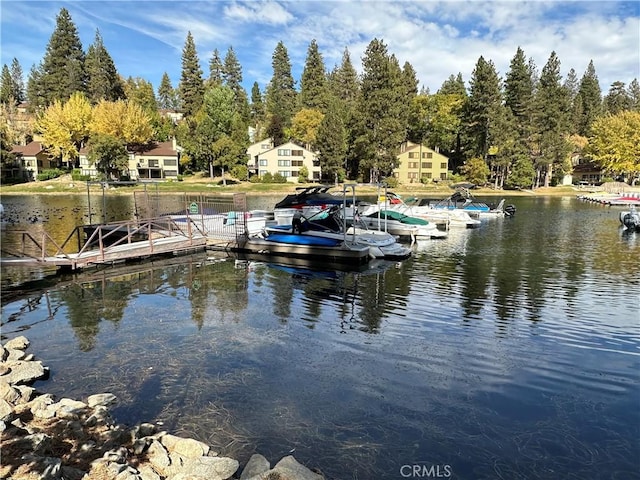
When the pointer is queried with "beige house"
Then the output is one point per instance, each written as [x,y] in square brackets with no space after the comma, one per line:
[417,162]
[286,159]
[31,159]
[155,161]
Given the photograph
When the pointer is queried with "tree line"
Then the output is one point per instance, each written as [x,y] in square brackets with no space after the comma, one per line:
[522,130]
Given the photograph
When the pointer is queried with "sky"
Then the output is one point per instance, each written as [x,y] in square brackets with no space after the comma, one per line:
[439,38]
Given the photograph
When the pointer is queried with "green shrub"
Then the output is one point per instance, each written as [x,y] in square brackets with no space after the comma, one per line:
[49,174]
[255,179]
[267,178]
[277,178]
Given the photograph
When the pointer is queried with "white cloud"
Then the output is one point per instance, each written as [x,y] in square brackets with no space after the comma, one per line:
[259,12]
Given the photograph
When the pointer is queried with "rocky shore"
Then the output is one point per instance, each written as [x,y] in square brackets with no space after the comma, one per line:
[47,438]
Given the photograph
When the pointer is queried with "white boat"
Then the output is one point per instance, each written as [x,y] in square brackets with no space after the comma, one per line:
[630,219]
[331,224]
[396,223]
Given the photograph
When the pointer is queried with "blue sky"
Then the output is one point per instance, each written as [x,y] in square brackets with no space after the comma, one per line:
[145,38]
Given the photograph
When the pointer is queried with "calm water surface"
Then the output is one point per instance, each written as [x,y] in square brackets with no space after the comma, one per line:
[511,351]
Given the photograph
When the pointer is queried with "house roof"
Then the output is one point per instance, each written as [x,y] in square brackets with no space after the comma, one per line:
[156,149]
[29,150]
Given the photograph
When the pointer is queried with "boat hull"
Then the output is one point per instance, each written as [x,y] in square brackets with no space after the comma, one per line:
[345,252]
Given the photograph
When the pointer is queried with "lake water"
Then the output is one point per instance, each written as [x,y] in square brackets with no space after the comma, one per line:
[511,351]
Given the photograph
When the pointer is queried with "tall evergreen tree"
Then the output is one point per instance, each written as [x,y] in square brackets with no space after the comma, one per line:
[63,64]
[482,107]
[344,83]
[191,89]
[216,69]
[36,97]
[518,92]
[331,141]
[591,98]
[281,93]
[617,100]
[103,81]
[257,105]
[453,85]
[571,87]
[551,123]
[634,94]
[313,83]
[17,80]
[232,76]
[6,86]
[381,124]
[166,94]
[140,91]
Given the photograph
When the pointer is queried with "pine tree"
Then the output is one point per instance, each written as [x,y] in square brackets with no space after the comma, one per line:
[344,82]
[257,105]
[617,100]
[382,125]
[570,86]
[552,122]
[103,81]
[17,81]
[481,110]
[281,93]
[232,76]
[453,85]
[634,94]
[166,94]
[591,98]
[63,64]
[313,83]
[331,140]
[518,92]
[191,89]
[410,81]
[216,69]
[140,91]
[6,86]
[36,97]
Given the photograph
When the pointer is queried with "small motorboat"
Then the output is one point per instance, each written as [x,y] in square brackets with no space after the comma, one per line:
[630,219]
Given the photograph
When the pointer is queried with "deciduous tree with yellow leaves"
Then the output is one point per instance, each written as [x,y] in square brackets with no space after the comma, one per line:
[65,126]
[614,143]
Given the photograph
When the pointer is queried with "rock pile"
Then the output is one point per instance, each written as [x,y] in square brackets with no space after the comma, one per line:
[45,438]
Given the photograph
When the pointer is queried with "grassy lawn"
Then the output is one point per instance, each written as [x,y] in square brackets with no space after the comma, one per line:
[197,183]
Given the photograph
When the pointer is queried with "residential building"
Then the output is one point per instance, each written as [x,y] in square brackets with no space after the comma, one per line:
[416,162]
[286,159]
[31,159]
[154,161]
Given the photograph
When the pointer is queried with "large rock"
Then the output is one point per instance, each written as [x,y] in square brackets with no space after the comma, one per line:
[6,410]
[102,399]
[24,372]
[158,456]
[257,465]
[18,343]
[8,393]
[290,468]
[187,447]
[210,468]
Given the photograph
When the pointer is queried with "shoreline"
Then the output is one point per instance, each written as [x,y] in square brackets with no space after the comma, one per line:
[45,437]
[65,186]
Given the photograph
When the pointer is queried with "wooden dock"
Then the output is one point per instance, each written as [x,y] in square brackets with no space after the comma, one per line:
[107,244]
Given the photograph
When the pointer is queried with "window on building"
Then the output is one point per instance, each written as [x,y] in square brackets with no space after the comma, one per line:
[427,155]
[284,152]
[413,155]
[171,173]
[413,164]
[297,163]
[427,175]
[284,163]
[443,176]
[263,172]
[153,163]
[443,165]
[263,163]
[316,175]
[427,165]
[265,146]
[296,153]
[316,163]
[294,173]
[170,162]
[412,175]
[284,173]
